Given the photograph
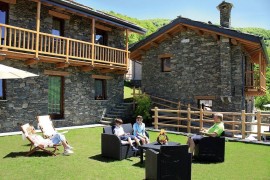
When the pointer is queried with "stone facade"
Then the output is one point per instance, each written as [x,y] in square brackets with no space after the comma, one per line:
[200,66]
[26,98]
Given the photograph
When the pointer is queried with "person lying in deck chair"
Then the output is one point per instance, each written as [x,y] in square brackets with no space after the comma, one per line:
[56,140]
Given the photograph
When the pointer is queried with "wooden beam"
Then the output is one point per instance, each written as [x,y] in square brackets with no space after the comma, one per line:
[101,77]
[199,32]
[168,36]
[166,55]
[154,44]
[93,40]
[234,42]
[140,51]
[127,52]
[215,36]
[2,58]
[31,61]
[56,73]
[105,28]
[106,70]
[59,15]
[38,27]
[61,65]
[120,72]
[9,1]
[205,97]
[86,68]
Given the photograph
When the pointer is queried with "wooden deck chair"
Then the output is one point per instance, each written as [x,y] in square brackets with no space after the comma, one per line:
[46,126]
[35,146]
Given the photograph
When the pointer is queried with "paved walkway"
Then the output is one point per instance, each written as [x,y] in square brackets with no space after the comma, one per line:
[58,129]
[237,139]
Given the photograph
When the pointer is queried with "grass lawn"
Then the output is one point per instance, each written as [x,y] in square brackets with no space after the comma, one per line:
[242,161]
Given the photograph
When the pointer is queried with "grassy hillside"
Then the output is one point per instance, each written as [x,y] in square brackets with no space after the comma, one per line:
[151,25]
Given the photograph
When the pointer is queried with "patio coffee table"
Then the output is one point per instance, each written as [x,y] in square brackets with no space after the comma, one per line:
[155,146]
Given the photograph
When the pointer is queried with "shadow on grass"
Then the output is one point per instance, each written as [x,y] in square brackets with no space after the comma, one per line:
[196,161]
[139,164]
[100,158]
[24,154]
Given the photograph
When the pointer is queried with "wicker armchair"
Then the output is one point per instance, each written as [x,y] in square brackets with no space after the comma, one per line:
[172,162]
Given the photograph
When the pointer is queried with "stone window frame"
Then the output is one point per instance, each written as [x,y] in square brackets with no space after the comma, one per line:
[3,89]
[165,58]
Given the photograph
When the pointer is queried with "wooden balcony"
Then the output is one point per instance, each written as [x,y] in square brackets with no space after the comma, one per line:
[255,83]
[33,47]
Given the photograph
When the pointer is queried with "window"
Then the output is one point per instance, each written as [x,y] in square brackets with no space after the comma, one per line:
[2,89]
[3,18]
[166,64]
[205,104]
[58,26]
[100,89]
[101,37]
[56,97]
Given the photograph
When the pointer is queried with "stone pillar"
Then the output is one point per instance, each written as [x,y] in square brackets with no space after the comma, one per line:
[225,68]
[225,13]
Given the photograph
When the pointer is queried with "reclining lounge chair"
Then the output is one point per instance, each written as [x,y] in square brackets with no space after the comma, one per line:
[46,126]
[36,147]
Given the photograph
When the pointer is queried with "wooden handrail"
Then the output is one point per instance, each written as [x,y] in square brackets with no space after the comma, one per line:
[201,120]
[26,40]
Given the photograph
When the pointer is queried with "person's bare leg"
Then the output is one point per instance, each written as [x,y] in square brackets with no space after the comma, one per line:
[130,142]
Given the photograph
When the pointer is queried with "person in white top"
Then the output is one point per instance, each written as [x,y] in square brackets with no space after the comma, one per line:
[41,142]
[119,131]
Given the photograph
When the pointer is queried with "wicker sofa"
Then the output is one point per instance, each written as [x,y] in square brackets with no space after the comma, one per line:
[113,147]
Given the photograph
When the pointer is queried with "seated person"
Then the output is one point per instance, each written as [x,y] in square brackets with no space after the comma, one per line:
[139,130]
[119,131]
[214,131]
[55,140]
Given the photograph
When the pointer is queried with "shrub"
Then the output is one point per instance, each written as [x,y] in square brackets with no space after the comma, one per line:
[143,107]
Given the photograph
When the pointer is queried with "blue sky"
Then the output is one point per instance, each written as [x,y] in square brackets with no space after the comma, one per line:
[245,13]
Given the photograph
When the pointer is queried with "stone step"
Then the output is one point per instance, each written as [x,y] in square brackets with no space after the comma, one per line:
[105,122]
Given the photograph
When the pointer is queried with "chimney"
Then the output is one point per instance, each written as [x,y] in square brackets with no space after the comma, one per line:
[225,13]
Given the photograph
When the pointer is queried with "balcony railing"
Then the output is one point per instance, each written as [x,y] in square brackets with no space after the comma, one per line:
[255,81]
[25,40]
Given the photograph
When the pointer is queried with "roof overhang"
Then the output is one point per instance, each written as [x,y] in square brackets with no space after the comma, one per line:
[254,45]
[91,13]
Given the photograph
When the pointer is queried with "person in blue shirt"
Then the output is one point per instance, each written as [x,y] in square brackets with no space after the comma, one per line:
[139,130]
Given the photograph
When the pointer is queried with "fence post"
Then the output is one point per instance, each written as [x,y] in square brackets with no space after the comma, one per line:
[233,125]
[259,120]
[243,119]
[188,118]
[133,98]
[201,118]
[178,114]
[156,118]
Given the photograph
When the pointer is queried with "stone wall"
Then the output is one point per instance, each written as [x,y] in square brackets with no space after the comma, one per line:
[28,97]
[200,66]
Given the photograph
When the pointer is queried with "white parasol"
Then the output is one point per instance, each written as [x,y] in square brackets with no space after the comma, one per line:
[7,72]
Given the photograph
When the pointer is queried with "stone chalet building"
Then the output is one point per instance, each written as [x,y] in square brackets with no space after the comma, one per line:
[80,55]
[197,62]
